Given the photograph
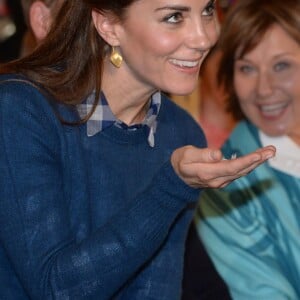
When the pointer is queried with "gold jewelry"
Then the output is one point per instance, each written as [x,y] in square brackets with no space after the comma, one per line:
[116,58]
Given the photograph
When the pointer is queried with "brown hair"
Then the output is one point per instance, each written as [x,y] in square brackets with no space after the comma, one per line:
[68,64]
[244,27]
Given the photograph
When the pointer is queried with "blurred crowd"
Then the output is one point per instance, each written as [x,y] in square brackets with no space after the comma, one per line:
[12,29]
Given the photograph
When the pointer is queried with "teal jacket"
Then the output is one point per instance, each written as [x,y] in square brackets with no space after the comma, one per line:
[251,228]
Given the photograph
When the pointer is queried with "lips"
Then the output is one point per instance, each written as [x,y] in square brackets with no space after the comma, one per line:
[273,110]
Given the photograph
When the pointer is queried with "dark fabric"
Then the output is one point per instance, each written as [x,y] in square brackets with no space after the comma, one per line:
[89,217]
[201,280]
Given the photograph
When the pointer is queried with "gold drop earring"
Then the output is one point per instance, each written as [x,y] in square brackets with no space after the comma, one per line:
[116,58]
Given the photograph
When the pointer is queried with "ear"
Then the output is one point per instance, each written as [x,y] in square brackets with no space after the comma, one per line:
[40,19]
[106,25]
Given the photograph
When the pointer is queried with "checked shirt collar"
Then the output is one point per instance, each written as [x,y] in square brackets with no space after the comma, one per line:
[103,117]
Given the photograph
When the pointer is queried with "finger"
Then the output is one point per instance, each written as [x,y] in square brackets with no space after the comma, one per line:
[225,171]
[267,151]
[205,167]
[190,155]
[203,155]
[253,160]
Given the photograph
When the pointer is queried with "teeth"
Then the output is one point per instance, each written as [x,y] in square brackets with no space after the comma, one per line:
[184,63]
[273,109]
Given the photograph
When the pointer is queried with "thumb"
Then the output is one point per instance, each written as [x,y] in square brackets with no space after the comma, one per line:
[212,155]
[191,154]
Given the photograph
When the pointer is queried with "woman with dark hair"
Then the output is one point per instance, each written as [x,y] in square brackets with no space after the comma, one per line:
[251,227]
[99,171]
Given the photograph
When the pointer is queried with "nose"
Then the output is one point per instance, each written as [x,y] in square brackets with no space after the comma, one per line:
[202,36]
[264,84]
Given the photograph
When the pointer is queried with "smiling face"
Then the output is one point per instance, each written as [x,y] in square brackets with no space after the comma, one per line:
[163,43]
[266,81]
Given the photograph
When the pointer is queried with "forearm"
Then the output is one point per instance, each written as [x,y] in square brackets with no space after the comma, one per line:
[51,262]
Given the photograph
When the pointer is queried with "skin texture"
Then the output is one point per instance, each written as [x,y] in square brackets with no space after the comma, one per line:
[266,83]
[39,16]
[207,168]
[40,19]
[152,39]
[163,44]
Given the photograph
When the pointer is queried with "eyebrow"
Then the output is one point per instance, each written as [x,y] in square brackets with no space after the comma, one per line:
[174,7]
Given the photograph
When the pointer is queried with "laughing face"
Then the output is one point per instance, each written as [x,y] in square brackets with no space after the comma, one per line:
[163,42]
[266,81]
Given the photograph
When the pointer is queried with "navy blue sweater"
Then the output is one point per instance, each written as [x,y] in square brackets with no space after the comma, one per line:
[102,217]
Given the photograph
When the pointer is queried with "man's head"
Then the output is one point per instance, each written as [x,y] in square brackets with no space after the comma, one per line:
[38,16]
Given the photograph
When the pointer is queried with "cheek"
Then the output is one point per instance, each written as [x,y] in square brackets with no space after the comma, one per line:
[290,86]
[213,33]
[241,87]
[163,44]
[153,48]
[245,94]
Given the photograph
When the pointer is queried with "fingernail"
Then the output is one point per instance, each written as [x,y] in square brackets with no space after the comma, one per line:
[269,155]
[214,155]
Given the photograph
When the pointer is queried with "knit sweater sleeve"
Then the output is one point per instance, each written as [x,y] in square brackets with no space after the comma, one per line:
[35,230]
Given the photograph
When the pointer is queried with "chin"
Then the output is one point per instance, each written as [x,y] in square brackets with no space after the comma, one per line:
[182,91]
[179,87]
[274,132]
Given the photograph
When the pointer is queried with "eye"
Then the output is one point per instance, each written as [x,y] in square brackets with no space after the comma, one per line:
[210,8]
[280,66]
[174,18]
[245,69]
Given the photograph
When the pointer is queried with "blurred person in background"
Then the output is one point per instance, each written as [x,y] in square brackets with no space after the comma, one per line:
[12,29]
[214,117]
[38,15]
[251,227]
[213,114]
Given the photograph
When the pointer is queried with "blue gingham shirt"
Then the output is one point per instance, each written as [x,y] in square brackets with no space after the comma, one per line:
[103,117]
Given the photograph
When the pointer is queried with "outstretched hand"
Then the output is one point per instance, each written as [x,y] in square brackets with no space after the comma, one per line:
[201,168]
